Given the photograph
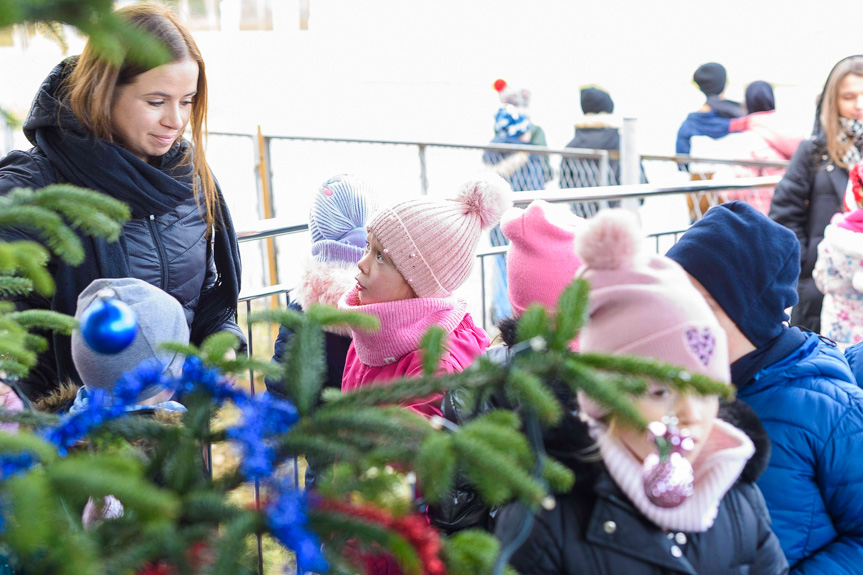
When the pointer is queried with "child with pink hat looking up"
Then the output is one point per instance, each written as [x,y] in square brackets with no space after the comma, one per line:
[621,516]
[418,253]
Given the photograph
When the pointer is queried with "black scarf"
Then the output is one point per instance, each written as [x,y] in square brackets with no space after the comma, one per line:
[725,108]
[84,160]
[744,369]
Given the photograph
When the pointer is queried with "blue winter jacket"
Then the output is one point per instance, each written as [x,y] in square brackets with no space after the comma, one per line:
[854,357]
[700,124]
[812,410]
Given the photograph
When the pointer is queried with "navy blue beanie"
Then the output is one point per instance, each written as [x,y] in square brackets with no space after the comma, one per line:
[747,262]
[759,97]
[710,78]
[596,101]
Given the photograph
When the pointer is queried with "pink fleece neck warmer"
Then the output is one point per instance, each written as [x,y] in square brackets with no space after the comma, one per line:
[403,323]
[717,468]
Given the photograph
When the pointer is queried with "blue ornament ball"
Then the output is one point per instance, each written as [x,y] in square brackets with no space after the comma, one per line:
[109,326]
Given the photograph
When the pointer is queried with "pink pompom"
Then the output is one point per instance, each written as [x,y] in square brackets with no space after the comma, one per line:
[610,240]
[488,196]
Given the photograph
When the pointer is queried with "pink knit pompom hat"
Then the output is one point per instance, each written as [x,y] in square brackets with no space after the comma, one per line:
[433,242]
[541,260]
[643,304]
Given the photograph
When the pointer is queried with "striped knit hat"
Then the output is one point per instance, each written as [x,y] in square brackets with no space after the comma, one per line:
[508,121]
[433,243]
[337,219]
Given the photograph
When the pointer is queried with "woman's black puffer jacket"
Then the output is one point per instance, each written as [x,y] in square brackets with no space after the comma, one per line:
[168,249]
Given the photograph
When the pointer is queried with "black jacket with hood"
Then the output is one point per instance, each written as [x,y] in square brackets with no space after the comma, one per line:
[595,530]
[807,197]
[166,243]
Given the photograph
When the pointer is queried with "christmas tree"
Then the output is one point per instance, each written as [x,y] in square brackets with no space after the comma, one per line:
[102,491]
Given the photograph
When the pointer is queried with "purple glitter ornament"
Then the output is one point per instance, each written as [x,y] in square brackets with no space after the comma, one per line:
[667,475]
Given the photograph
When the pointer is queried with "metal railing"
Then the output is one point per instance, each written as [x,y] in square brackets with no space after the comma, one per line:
[278,227]
[275,227]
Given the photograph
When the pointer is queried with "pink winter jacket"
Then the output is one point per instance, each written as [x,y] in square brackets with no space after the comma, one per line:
[391,352]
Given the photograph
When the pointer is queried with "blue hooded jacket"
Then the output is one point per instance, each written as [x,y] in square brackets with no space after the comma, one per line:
[701,124]
[812,409]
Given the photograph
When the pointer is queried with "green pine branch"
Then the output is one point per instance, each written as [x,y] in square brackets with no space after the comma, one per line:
[110,36]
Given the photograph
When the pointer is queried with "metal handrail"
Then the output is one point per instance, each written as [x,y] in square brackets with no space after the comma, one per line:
[543,150]
[276,226]
[643,190]
[264,292]
[573,152]
[269,228]
[686,159]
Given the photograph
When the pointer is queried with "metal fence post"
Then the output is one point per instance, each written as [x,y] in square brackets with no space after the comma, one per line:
[630,161]
[604,169]
[424,180]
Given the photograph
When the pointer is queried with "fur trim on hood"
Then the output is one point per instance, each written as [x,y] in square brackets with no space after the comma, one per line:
[596,121]
[59,400]
[324,283]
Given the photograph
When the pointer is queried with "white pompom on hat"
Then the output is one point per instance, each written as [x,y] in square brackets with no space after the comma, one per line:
[433,243]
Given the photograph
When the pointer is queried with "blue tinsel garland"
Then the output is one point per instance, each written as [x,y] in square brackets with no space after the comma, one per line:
[288,522]
[263,417]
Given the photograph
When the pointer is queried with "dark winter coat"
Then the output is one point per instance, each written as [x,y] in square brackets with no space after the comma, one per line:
[584,172]
[812,409]
[812,190]
[594,529]
[335,350]
[170,248]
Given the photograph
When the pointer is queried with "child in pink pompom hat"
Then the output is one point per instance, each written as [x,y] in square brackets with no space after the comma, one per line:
[644,305]
[418,253]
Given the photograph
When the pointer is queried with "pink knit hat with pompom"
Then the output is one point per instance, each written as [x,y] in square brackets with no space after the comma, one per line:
[541,260]
[433,243]
[643,304]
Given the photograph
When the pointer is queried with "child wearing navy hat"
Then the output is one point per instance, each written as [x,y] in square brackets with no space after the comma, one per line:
[799,384]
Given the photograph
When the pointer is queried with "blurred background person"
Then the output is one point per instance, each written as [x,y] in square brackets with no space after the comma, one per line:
[813,188]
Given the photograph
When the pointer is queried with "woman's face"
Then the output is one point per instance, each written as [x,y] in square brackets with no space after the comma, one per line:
[694,413]
[152,112]
[849,97]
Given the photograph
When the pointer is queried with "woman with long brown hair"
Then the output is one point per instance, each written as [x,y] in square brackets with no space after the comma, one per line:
[813,188]
[120,129]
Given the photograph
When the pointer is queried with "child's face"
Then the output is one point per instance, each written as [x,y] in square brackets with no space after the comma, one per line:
[695,413]
[379,281]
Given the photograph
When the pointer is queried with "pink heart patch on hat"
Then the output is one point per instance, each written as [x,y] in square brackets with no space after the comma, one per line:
[701,343]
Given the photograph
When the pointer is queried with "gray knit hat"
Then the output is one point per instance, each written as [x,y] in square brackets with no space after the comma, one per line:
[160,320]
[337,219]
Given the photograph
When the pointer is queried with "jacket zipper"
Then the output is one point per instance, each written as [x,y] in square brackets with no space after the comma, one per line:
[163,260]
